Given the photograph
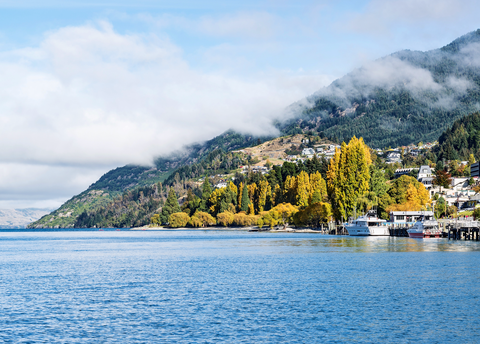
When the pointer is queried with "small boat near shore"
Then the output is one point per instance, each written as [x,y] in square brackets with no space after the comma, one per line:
[425,227]
[367,225]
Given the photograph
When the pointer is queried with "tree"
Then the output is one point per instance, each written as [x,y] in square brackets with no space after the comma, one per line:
[245,200]
[318,188]
[314,215]
[440,207]
[378,183]
[348,176]
[442,178]
[177,220]
[225,219]
[471,159]
[302,192]
[285,212]
[171,206]
[206,192]
[476,214]
[155,220]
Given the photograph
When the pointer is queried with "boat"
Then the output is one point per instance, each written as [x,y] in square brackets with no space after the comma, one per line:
[425,227]
[368,224]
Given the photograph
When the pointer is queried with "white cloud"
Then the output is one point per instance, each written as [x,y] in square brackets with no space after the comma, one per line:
[88,96]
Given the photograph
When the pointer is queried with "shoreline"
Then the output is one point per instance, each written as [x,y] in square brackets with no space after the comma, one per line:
[229,229]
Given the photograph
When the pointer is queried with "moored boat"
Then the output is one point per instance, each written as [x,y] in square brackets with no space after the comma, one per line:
[366,225]
[425,227]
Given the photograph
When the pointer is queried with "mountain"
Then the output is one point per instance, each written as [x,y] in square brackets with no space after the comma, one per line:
[20,218]
[194,161]
[403,98]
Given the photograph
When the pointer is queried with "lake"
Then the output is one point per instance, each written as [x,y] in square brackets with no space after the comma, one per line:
[235,287]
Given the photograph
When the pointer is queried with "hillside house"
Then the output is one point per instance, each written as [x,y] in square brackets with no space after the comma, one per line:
[426,176]
[308,151]
[393,157]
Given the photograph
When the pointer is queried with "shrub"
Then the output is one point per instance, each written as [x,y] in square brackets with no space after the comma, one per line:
[202,219]
[178,220]
[225,219]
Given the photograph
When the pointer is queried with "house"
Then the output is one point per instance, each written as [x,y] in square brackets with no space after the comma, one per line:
[414,152]
[403,171]
[393,157]
[473,201]
[221,185]
[409,216]
[308,151]
[459,183]
[426,176]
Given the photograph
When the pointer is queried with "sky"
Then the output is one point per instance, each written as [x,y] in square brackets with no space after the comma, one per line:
[87,86]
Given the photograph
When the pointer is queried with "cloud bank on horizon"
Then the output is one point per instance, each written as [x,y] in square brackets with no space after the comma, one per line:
[90,97]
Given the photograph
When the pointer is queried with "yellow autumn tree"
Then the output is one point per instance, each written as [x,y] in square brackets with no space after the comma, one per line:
[318,187]
[285,213]
[177,220]
[214,200]
[417,198]
[225,219]
[302,189]
[348,176]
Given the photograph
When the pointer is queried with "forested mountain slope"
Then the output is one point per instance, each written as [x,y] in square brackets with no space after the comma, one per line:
[406,97]
[461,140]
[121,186]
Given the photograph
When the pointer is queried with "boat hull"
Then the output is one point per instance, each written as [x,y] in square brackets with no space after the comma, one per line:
[422,235]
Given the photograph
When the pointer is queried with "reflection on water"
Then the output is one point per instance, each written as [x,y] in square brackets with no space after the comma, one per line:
[347,244]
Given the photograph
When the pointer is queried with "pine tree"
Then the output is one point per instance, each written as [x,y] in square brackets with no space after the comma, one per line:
[171,206]
[206,189]
[245,200]
[206,192]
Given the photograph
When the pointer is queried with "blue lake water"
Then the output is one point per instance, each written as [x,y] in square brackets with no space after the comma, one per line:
[235,287]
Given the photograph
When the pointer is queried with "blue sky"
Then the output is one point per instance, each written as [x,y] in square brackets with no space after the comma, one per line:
[89,86]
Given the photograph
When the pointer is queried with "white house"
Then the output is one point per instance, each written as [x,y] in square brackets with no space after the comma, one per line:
[308,151]
[393,157]
[426,176]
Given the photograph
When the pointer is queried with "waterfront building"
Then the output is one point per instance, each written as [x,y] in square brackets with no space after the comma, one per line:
[408,216]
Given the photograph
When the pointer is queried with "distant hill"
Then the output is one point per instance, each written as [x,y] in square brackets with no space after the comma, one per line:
[20,218]
[403,98]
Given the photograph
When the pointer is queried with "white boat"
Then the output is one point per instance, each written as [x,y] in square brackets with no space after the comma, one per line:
[367,225]
[425,227]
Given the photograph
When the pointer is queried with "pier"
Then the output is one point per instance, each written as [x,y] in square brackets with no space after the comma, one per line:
[463,230]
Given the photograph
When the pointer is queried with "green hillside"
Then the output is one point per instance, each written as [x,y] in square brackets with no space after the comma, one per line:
[404,98]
